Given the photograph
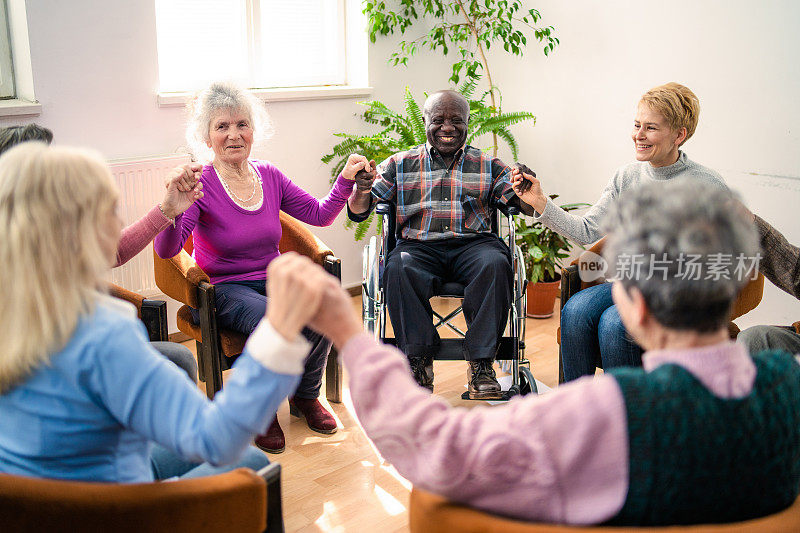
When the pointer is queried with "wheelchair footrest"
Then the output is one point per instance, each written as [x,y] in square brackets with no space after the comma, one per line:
[504,396]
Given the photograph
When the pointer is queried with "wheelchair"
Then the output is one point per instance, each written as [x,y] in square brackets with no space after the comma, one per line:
[511,349]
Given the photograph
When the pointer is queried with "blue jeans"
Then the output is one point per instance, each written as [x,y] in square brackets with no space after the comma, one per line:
[180,355]
[592,334]
[240,307]
[167,464]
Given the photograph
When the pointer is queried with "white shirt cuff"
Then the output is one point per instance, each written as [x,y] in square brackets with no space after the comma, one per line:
[275,353]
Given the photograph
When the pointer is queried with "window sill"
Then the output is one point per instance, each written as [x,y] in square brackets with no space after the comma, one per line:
[17,107]
[178,99]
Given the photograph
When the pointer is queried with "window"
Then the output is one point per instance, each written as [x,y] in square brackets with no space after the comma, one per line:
[257,43]
[16,72]
[7,88]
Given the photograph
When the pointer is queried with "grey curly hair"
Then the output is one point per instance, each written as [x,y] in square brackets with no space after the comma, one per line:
[221,96]
[673,221]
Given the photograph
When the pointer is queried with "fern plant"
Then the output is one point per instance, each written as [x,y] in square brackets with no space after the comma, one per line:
[402,131]
[543,248]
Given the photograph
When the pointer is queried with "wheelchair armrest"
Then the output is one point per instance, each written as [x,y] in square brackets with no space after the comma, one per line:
[507,210]
[383,208]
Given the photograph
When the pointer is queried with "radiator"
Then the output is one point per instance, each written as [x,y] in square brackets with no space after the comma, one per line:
[141,186]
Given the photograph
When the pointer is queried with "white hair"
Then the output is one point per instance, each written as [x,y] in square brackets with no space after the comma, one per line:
[217,97]
[54,208]
[675,221]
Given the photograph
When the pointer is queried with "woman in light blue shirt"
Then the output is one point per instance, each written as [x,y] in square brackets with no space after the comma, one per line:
[83,396]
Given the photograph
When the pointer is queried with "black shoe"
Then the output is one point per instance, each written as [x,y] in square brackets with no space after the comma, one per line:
[483,384]
[422,369]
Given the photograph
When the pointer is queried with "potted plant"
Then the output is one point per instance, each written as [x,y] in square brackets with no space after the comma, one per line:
[543,249]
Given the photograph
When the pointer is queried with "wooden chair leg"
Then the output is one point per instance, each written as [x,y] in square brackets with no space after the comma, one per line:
[212,351]
[272,476]
[201,374]
[333,377]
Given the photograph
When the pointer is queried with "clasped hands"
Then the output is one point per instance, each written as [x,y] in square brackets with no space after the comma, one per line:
[302,294]
[527,187]
[361,170]
[183,188]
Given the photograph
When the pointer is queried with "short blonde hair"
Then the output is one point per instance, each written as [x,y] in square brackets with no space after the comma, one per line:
[677,103]
[54,207]
[217,97]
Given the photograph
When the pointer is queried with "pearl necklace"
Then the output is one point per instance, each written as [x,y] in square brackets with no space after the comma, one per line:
[256,182]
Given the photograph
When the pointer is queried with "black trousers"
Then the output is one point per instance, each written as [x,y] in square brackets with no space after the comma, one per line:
[416,270]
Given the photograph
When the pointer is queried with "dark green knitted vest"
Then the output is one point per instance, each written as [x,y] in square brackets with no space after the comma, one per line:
[696,458]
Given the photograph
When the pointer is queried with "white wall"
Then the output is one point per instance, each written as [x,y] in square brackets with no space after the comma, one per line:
[95,72]
[740,57]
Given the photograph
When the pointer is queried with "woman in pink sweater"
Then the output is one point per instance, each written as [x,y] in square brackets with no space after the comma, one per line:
[182,188]
[236,229]
[704,432]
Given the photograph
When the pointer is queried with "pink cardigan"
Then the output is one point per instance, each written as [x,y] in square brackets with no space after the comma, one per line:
[139,234]
[561,457]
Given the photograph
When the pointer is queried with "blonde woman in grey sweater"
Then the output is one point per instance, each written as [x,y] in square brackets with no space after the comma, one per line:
[592,333]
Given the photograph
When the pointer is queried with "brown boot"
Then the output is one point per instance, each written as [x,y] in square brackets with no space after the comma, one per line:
[317,418]
[273,440]
[422,369]
[483,384]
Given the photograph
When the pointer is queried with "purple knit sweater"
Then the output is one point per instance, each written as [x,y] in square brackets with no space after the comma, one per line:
[232,243]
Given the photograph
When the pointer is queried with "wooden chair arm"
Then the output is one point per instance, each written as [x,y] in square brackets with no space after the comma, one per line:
[749,297]
[178,277]
[129,296]
[298,238]
[233,501]
[597,248]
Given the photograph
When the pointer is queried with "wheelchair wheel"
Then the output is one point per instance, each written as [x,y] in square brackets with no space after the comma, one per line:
[527,384]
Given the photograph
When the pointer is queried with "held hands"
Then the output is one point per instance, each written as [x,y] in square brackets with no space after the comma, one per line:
[302,293]
[527,187]
[361,170]
[183,188]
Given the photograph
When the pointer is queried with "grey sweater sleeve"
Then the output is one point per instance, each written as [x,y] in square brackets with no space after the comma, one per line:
[781,261]
[583,229]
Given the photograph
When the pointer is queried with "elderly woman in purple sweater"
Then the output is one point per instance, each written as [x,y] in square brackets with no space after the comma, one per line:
[236,229]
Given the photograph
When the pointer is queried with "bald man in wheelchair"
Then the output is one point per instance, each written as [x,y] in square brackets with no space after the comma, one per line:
[444,192]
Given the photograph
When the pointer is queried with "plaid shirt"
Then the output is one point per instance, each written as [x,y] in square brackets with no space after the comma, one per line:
[437,202]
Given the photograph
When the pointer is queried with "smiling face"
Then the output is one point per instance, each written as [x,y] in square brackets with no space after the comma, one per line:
[653,139]
[230,135]
[446,117]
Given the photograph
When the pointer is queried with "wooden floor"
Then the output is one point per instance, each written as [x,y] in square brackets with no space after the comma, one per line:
[338,482]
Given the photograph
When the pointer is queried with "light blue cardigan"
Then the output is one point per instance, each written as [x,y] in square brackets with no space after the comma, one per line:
[93,411]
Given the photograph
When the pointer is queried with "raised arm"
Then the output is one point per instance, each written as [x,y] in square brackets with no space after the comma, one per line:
[152,397]
[303,206]
[558,458]
[183,187]
[583,229]
[780,261]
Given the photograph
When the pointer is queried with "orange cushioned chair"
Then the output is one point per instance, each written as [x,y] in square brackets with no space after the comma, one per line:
[429,513]
[152,312]
[181,279]
[240,500]
[571,283]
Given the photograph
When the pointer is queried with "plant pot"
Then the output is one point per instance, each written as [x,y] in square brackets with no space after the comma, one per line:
[541,297]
